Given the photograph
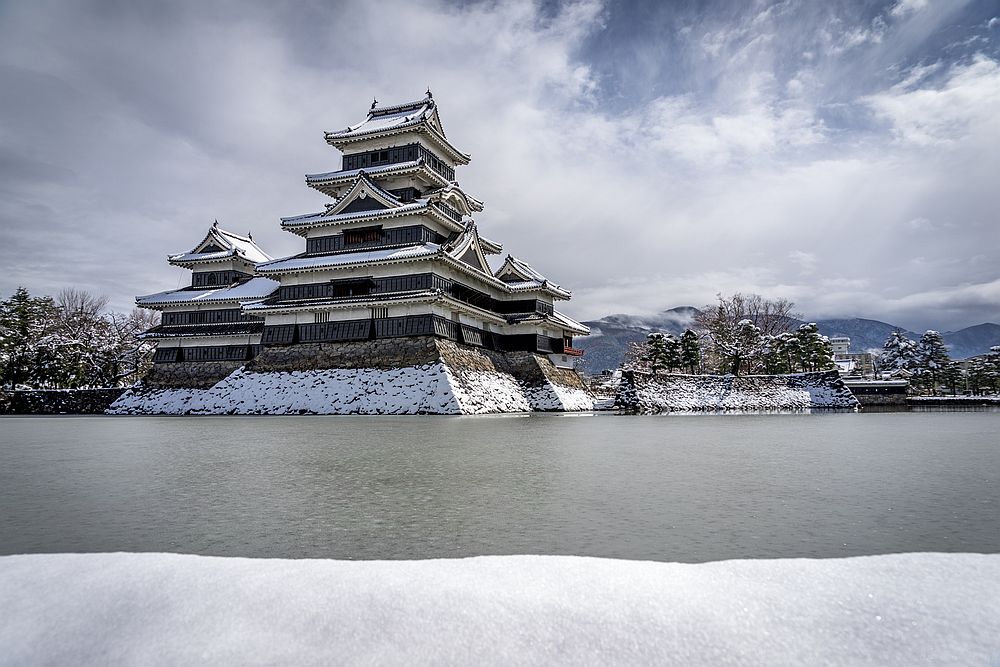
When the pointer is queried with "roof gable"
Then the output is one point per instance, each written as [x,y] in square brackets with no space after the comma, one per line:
[221,244]
[364,195]
[467,248]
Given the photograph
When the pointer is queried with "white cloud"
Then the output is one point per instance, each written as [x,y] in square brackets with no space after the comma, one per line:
[964,105]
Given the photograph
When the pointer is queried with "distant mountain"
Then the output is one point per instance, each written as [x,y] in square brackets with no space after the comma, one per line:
[972,341]
[865,334]
[605,347]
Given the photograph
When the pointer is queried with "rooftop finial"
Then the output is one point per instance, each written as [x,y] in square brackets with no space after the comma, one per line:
[374,102]
[249,235]
[216,223]
[430,95]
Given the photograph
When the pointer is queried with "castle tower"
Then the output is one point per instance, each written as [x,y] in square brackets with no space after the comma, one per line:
[204,321]
[397,252]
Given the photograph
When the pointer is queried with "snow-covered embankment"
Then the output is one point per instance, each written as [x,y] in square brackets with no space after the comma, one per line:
[644,392]
[150,609]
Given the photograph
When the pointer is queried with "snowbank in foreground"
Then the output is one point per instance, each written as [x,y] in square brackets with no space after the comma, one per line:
[907,609]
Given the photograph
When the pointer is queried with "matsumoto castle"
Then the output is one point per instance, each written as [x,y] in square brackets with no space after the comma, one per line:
[395,253]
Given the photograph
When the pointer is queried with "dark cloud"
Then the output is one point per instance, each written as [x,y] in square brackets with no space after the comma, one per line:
[644,154]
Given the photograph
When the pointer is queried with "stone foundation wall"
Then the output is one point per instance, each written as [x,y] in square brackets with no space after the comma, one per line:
[650,393]
[399,376]
[58,402]
[189,374]
[383,354]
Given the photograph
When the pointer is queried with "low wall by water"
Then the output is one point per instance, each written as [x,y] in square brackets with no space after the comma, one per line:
[650,393]
[58,401]
[419,375]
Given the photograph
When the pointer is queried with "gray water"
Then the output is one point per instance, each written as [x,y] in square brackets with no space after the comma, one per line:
[691,488]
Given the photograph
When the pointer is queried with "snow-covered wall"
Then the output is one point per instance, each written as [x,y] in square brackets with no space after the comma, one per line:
[648,393]
[171,609]
[404,376]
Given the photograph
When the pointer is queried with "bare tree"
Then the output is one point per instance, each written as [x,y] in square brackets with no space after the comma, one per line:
[736,327]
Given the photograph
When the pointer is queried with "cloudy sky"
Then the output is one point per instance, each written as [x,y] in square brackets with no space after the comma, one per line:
[844,154]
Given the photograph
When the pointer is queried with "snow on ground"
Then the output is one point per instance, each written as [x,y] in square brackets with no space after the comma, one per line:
[167,609]
[427,389]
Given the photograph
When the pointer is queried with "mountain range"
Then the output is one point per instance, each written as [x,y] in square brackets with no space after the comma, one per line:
[610,335]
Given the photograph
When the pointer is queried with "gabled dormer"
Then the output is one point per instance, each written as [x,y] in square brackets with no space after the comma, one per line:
[364,195]
[520,276]
[468,249]
[221,258]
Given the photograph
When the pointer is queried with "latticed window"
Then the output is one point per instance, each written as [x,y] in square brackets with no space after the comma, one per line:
[362,235]
[321,317]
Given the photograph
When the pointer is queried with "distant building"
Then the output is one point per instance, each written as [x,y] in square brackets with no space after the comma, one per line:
[851,363]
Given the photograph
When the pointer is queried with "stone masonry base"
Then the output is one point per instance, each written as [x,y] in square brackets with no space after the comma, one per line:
[419,375]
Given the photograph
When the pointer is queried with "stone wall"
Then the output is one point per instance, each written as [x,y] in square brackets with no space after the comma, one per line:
[189,374]
[58,402]
[399,376]
[650,393]
[381,354]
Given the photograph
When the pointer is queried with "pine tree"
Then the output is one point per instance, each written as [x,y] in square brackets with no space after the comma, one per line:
[655,352]
[814,350]
[898,352]
[774,356]
[690,351]
[930,360]
[663,351]
[25,322]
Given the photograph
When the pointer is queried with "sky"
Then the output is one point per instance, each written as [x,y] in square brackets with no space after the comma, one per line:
[842,154]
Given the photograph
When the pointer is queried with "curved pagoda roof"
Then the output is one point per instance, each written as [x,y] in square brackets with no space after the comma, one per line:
[220,245]
[519,275]
[387,120]
[252,290]
[392,206]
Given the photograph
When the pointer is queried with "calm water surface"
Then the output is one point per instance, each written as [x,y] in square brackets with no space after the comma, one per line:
[691,488]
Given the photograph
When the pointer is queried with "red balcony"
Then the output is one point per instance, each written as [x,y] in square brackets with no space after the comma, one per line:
[572,351]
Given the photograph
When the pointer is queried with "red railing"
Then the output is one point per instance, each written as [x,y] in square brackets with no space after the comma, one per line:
[572,351]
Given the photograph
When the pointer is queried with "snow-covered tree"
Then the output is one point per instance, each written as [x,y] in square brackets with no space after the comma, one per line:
[737,326]
[663,351]
[690,351]
[814,351]
[898,352]
[930,360]
[25,321]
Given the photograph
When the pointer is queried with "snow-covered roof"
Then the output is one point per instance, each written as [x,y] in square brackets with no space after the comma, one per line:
[299,263]
[385,118]
[345,302]
[228,244]
[419,116]
[521,276]
[569,323]
[255,288]
[325,217]
[348,174]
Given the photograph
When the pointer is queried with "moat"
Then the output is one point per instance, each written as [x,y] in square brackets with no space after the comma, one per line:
[677,488]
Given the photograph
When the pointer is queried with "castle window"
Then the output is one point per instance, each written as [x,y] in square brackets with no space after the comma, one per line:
[362,235]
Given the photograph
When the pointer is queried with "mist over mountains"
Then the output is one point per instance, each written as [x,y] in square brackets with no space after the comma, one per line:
[610,335]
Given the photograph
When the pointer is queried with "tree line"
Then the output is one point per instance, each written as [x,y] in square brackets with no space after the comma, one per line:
[750,334]
[71,341]
[743,334]
[932,370]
